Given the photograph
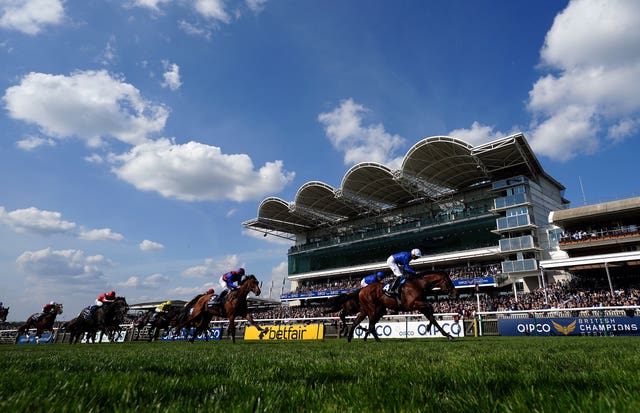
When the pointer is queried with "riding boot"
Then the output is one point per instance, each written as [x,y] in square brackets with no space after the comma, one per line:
[395,286]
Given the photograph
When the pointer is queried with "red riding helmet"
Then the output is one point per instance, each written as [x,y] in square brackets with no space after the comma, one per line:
[111,294]
[210,291]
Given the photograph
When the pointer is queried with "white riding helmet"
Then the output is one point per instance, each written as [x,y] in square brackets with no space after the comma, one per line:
[416,253]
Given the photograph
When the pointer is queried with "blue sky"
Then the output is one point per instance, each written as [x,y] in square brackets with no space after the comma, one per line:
[136,136]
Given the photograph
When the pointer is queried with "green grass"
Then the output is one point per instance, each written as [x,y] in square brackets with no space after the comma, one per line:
[489,374]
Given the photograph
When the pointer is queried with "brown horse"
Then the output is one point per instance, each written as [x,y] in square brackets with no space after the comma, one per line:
[4,312]
[345,304]
[41,324]
[234,305]
[375,302]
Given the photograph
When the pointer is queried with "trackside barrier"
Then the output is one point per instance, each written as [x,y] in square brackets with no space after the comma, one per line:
[588,321]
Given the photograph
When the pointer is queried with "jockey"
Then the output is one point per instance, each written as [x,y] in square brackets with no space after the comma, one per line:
[398,260]
[227,280]
[370,279]
[163,307]
[102,300]
[48,307]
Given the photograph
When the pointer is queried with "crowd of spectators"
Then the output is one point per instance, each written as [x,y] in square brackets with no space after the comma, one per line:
[556,296]
[578,235]
[477,271]
[456,273]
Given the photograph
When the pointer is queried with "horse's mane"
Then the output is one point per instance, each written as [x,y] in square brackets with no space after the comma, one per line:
[193,301]
[247,278]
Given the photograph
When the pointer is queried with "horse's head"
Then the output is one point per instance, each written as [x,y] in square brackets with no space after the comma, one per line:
[440,280]
[120,306]
[251,283]
[58,309]
[446,284]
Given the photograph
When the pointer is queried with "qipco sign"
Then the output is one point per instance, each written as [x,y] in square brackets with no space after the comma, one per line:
[413,329]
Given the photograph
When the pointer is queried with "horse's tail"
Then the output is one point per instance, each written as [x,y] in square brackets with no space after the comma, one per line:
[335,303]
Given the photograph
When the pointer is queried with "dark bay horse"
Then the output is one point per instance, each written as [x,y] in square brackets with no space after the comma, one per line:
[4,312]
[105,319]
[375,302]
[234,305]
[41,324]
[157,322]
[345,304]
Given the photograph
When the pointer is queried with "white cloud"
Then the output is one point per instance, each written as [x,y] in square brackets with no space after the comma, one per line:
[212,268]
[149,4]
[212,9]
[154,280]
[198,172]
[65,265]
[109,106]
[279,280]
[32,142]
[130,282]
[478,134]
[343,126]
[109,53]
[94,158]
[171,76]
[104,234]
[595,94]
[195,30]
[623,128]
[30,16]
[35,220]
[147,246]
[256,6]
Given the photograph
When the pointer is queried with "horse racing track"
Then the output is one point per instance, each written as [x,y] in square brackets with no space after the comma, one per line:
[497,374]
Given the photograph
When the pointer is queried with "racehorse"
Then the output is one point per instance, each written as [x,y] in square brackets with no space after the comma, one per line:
[4,312]
[105,319]
[161,321]
[346,304]
[413,297]
[41,324]
[234,305]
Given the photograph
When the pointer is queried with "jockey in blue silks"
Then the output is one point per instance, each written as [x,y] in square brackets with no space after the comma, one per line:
[399,264]
[369,279]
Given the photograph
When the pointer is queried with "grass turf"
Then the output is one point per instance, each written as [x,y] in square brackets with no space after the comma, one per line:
[488,374]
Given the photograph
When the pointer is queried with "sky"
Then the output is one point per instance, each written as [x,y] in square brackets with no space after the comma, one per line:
[137,135]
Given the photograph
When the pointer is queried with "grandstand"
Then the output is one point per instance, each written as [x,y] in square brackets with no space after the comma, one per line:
[479,212]
[598,244]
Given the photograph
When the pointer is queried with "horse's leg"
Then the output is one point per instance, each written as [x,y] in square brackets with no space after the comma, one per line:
[428,312]
[232,328]
[361,315]
[344,328]
[373,320]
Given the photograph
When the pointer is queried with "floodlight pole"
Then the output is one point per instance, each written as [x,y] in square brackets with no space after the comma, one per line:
[606,267]
[544,285]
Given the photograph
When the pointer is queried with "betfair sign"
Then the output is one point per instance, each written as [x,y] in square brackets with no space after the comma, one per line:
[291,332]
